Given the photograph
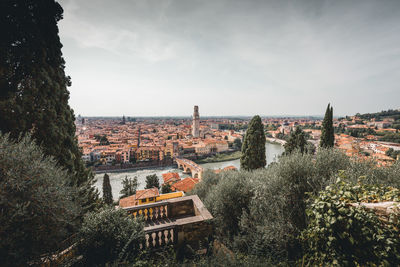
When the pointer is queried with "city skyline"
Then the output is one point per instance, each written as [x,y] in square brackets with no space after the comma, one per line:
[232,58]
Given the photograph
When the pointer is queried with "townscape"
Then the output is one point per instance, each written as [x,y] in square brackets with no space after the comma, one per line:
[112,141]
[160,170]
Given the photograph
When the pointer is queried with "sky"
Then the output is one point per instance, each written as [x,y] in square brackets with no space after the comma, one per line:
[269,57]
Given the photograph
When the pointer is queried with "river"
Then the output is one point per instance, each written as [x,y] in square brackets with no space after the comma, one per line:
[272,151]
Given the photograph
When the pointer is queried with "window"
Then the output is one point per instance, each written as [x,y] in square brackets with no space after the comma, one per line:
[151,199]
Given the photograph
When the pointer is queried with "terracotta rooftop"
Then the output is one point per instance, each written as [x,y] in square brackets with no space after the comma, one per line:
[170,177]
[146,193]
[185,185]
[128,201]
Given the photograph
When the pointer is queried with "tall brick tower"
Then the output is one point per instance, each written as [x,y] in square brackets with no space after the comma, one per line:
[196,122]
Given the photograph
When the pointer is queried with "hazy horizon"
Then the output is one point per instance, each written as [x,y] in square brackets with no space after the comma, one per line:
[232,58]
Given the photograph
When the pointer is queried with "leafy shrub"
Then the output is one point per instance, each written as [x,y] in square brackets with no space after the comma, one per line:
[227,201]
[208,183]
[37,211]
[277,209]
[264,211]
[109,235]
[344,235]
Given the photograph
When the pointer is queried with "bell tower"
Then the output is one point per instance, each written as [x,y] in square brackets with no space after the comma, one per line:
[196,122]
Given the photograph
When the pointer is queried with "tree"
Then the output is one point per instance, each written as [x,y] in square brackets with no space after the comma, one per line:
[129,187]
[152,181]
[107,192]
[327,133]
[36,204]
[253,148]
[104,140]
[166,188]
[33,87]
[297,140]
[237,143]
[109,235]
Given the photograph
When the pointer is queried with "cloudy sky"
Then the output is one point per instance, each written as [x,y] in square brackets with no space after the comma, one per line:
[278,57]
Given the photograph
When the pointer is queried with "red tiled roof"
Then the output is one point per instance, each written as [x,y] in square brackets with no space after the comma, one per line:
[146,193]
[128,201]
[185,185]
[230,168]
[140,194]
[170,177]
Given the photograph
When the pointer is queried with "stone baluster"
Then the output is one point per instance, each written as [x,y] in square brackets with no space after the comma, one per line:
[169,236]
[163,242]
[156,213]
[150,240]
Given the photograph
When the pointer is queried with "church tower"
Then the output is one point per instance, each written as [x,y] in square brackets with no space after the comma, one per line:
[196,122]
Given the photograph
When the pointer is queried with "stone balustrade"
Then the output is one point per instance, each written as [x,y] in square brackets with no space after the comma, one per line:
[160,237]
[177,221]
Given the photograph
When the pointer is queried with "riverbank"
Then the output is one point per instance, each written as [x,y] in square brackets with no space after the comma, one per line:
[275,141]
[132,167]
[220,158]
[155,167]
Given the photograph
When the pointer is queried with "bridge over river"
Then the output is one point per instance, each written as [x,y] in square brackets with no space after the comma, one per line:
[190,167]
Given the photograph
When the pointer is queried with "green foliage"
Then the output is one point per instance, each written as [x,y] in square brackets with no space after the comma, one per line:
[379,115]
[129,187]
[343,235]
[33,87]
[104,140]
[359,132]
[390,137]
[392,153]
[152,181]
[220,157]
[237,144]
[264,211]
[208,182]
[227,201]
[297,141]
[107,192]
[109,236]
[36,203]
[166,188]
[327,132]
[253,148]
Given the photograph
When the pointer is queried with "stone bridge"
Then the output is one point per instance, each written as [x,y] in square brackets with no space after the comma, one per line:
[190,167]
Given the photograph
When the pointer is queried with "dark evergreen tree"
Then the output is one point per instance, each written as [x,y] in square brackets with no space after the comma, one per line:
[107,191]
[166,188]
[253,148]
[129,187]
[237,144]
[109,237]
[33,87]
[36,208]
[297,140]
[327,133]
[152,181]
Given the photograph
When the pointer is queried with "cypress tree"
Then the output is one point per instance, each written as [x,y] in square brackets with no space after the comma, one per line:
[33,87]
[327,133]
[129,187]
[107,192]
[297,140]
[253,148]
[152,181]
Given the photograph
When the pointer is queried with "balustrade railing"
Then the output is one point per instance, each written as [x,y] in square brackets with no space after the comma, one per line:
[160,237]
[165,219]
[150,212]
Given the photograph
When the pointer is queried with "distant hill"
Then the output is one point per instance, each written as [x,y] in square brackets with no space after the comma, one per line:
[391,113]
